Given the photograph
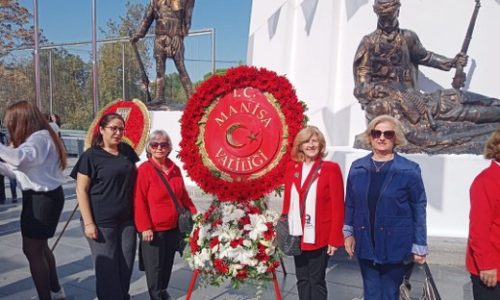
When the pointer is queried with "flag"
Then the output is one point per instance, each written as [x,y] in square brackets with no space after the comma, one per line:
[352,6]
[309,10]
[272,23]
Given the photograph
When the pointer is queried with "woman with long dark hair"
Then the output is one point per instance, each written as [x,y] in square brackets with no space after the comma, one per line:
[105,176]
[36,160]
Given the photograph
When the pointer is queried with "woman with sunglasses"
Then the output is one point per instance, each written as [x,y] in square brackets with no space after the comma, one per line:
[156,214]
[385,211]
[105,176]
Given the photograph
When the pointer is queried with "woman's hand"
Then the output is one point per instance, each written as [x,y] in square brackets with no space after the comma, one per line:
[489,277]
[147,235]
[91,231]
[331,250]
[350,245]
[419,259]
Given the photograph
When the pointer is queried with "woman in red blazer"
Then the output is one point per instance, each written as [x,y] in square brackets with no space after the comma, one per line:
[155,214]
[483,247]
[314,203]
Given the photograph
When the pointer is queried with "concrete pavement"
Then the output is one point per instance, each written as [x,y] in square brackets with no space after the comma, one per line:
[76,271]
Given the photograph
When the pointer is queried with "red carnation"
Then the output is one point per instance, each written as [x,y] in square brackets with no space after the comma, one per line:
[237,242]
[214,242]
[242,274]
[193,241]
[221,266]
[216,223]
[254,210]
[269,234]
[244,221]
[273,266]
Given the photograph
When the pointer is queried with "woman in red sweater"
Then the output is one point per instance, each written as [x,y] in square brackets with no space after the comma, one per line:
[314,203]
[155,213]
[483,247]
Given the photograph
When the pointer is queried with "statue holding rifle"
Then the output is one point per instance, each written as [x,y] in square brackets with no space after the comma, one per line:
[385,74]
[173,21]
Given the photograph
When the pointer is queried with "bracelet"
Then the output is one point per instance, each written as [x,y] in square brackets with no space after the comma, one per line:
[91,223]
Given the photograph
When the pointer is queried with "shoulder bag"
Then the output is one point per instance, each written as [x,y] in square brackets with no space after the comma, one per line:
[185,221]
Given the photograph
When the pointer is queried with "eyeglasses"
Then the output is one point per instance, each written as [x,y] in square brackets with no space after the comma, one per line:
[159,145]
[376,134]
[116,128]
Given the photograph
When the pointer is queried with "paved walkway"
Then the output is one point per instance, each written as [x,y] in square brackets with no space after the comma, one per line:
[76,273]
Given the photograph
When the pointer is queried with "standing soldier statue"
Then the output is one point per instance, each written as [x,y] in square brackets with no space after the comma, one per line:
[173,20]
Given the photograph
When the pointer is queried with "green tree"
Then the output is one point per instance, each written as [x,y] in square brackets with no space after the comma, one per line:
[71,88]
[110,59]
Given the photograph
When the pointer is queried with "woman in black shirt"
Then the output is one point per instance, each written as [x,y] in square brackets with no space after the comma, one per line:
[105,176]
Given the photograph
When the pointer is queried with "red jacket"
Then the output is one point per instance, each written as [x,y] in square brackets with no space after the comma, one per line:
[483,246]
[329,203]
[153,208]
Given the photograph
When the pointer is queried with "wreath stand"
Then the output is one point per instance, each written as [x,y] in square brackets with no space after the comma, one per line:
[196,273]
[237,133]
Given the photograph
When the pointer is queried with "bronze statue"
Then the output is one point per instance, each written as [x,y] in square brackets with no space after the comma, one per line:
[173,20]
[385,73]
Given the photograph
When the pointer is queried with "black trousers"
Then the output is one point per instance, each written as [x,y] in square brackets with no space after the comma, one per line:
[482,292]
[158,260]
[310,267]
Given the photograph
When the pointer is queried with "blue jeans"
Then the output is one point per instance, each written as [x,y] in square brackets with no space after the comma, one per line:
[113,254]
[382,281]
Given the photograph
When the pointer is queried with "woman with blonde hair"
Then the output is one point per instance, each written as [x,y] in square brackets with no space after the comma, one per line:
[314,204]
[483,247]
[36,160]
[385,211]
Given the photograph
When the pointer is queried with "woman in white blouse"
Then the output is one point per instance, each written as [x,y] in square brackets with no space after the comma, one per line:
[36,160]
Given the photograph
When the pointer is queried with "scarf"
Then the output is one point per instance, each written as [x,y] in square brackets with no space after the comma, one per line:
[303,174]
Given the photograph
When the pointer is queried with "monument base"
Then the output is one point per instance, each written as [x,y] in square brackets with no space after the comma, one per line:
[447,179]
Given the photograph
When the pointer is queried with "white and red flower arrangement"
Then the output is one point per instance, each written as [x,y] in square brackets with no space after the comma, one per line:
[235,238]
[235,241]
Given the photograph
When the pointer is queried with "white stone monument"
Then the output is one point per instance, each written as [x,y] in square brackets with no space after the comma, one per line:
[313,43]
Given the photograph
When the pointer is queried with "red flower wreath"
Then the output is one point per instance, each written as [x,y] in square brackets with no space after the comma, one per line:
[211,91]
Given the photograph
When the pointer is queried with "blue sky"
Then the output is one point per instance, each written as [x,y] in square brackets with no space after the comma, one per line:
[70,21]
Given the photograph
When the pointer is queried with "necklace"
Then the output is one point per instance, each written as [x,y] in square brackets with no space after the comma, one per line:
[377,166]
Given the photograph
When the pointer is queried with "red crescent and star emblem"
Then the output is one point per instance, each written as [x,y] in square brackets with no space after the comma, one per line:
[237,132]
[243,134]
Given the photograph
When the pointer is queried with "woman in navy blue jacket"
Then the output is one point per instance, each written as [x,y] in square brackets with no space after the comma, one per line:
[385,211]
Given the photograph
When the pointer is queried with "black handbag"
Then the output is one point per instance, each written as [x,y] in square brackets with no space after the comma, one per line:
[290,244]
[429,289]
[185,221]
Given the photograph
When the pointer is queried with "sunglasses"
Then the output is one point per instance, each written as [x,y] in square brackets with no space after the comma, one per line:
[159,145]
[376,134]
[116,128]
